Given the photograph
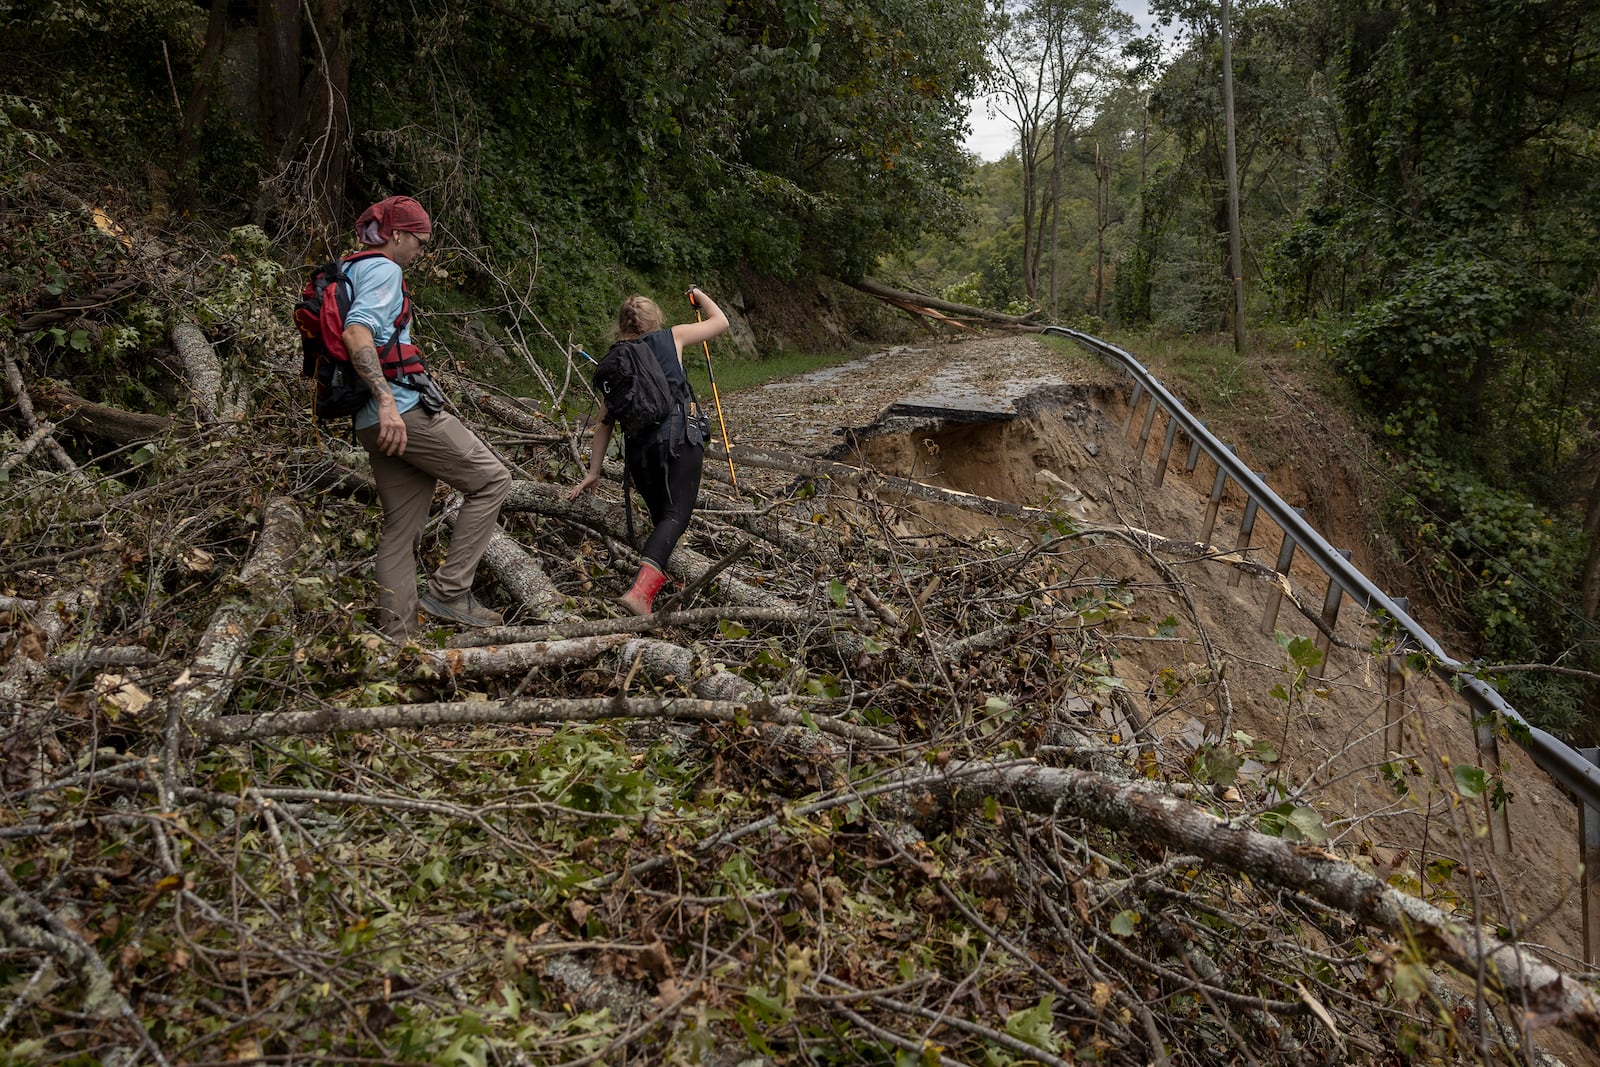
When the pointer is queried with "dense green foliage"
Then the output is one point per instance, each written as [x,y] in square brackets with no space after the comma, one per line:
[1419,200]
[585,145]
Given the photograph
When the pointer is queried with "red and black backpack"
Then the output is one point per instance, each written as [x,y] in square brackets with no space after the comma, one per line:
[340,392]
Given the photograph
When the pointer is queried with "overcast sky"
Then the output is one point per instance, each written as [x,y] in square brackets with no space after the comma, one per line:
[992,138]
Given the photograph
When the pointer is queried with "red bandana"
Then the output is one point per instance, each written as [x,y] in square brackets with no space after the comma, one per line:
[382,220]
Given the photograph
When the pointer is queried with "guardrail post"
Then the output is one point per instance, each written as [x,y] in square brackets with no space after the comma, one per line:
[1247,526]
[1194,454]
[1499,821]
[1166,450]
[1149,420]
[1133,405]
[1213,504]
[1395,706]
[1330,616]
[1269,618]
[1589,853]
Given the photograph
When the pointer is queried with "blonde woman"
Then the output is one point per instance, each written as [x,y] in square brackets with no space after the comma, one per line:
[664,466]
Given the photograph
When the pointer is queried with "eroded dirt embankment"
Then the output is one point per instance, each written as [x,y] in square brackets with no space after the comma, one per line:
[1190,649]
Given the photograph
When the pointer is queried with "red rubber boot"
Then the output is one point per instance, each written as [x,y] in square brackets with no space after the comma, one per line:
[645,587]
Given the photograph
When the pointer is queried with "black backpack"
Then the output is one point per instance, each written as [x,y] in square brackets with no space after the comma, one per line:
[636,391]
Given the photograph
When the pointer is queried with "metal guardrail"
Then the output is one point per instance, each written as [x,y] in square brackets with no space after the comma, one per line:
[1563,763]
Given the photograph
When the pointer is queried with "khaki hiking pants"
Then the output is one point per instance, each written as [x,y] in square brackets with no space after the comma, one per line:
[438,449]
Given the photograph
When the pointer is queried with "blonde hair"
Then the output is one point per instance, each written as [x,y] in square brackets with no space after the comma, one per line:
[638,316]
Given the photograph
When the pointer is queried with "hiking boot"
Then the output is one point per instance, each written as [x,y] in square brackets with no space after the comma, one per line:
[463,609]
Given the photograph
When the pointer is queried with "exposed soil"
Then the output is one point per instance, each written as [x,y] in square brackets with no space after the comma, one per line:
[1213,672]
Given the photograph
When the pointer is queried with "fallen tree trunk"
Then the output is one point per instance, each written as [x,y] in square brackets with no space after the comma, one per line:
[1552,998]
[229,729]
[900,297]
[686,564]
[504,635]
[204,372]
[100,420]
[496,661]
[518,572]
[203,688]
[662,660]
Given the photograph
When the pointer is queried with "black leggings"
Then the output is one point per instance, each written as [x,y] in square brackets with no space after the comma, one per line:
[670,487]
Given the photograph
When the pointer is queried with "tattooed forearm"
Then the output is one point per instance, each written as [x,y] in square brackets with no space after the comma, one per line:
[364,358]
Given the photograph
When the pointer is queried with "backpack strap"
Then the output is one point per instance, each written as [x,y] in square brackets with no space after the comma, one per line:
[397,360]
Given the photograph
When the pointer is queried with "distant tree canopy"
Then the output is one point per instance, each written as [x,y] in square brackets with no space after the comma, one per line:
[790,135]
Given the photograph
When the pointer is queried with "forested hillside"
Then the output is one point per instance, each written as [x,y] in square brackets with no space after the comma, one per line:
[1418,204]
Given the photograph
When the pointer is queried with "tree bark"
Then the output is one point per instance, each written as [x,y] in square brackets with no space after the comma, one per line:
[1552,998]
[686,563]
[278,71]
[199,103]
[1590,585]
[204,687]
[496,661]
[100,420]
[327,125]
[517,571]
[231,729]
[504,635]
[204,372]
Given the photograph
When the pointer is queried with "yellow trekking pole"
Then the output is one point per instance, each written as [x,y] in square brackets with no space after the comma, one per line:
[726,444]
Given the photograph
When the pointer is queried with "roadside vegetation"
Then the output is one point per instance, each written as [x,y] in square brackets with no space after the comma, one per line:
[1416,195]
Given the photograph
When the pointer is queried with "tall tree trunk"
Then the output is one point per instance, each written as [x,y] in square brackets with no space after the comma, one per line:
[1063,83]
[278,77]
[1590,585]
[194,112]
[1231,172]
[1055,222]
[1101,210]
[328,124]
[306,194]
[1030,197]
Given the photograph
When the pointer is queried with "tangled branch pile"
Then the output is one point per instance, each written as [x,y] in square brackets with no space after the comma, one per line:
[862,791]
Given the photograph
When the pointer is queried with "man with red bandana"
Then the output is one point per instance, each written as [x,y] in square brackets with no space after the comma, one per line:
[412,442]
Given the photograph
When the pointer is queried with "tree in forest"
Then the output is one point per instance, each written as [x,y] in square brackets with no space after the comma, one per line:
[1286,143]
[1055,61]
[1453,245]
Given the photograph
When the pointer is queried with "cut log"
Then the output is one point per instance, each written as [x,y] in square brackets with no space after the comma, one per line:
[518,572]
[495,661]
[204,372]
[100,420]
[204,687]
